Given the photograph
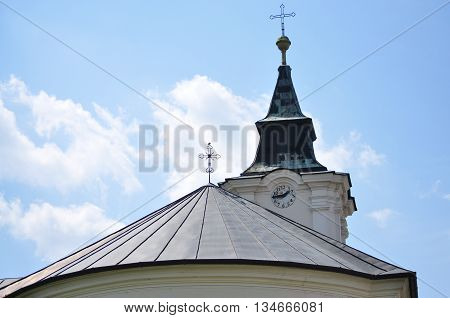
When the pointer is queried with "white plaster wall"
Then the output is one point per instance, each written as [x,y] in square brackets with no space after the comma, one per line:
[217,280]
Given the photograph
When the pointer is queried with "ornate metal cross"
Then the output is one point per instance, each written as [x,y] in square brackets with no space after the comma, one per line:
[282,16]
[210,155]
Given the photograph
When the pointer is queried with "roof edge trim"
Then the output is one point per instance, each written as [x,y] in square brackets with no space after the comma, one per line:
[411,276]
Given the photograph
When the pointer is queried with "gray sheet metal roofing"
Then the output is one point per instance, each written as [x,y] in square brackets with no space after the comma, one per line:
[7,281]
[211,225]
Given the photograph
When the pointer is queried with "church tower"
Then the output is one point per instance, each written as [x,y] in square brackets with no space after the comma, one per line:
[285,175]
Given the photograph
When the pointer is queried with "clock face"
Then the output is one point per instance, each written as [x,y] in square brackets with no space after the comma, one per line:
[283,196]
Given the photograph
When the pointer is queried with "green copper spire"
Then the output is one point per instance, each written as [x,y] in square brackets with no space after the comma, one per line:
[286,134]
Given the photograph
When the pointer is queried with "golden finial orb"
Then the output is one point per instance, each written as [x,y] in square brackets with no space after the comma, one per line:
[283,44]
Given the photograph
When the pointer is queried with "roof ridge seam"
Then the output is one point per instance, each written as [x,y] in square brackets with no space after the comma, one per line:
[274,232]
[292,233]
[75,252]
[203,222]
[122,231]
[176,231]
[99,248]
[127,230]
[226,227]
[143,241]
[317,234]
[254,236]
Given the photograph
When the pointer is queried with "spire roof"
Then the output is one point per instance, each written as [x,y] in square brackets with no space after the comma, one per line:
[286,134]
[211,225]
[284,102]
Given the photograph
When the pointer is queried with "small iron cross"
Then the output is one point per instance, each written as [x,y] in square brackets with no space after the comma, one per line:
[210,155]
[282,16]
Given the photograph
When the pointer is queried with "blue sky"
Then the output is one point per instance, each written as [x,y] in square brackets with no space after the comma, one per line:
[69,132]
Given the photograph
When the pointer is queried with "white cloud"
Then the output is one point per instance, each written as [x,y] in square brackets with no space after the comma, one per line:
[54,230]
[369,157]
[350,153]
[76,147]
[381,217]
[201,101]
[447,196]
[434,191]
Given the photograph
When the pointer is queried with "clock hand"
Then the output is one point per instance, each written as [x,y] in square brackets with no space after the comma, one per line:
[280,196]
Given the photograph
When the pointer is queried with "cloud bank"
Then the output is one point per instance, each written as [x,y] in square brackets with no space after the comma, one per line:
[71,147]
[54,230]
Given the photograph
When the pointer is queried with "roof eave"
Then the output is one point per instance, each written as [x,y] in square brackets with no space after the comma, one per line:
[411,276]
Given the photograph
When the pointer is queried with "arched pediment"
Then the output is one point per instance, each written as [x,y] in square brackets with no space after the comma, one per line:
[281,175]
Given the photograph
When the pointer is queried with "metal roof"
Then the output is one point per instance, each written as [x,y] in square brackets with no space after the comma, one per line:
[7,281]
[284,102]
[286,134]
[213,225]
